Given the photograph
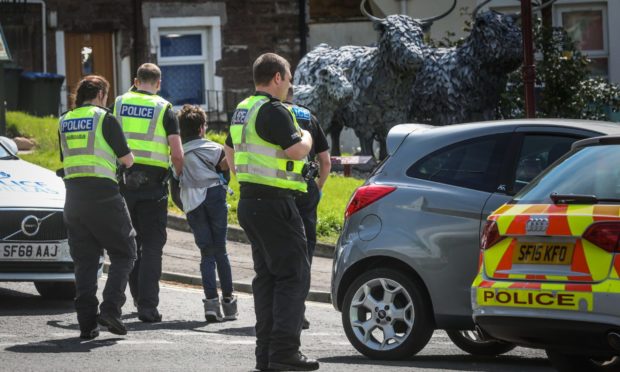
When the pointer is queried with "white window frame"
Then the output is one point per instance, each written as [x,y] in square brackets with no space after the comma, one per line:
[210,30]
[182,60]
[560,9]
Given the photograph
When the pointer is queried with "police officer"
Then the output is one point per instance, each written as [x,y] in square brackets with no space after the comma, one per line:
[266,149]
[95,213]
[308,202]
[152,131]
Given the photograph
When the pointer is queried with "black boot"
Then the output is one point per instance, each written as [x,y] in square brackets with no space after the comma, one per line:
[296,362]
[114,324]
[89,334]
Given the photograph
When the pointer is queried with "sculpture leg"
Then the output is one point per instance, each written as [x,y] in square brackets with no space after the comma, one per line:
[334,133]
[366,145]
[382,149]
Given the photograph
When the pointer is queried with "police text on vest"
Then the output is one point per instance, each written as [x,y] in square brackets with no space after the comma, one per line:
[77,125]
[141,112]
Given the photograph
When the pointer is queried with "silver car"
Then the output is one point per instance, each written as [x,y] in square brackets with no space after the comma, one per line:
[410,243]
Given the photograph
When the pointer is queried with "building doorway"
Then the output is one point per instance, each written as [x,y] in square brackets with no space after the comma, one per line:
[87,54]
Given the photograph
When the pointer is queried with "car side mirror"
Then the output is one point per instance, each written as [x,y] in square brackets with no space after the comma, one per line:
[9,144]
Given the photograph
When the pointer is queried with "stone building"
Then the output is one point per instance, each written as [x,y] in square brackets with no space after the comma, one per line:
[204,47]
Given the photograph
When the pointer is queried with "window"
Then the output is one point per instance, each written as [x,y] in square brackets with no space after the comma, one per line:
[473,164]
[587,25]
[87,61]
[187,56]
[592,170]
[183,61]
[537,153]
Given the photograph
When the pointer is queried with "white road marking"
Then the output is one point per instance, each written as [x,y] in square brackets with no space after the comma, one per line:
[143,342]
[321,334]
[66,334]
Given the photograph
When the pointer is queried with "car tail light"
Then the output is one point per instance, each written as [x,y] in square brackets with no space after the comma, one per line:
[490,235]
[604,235]
[366,195]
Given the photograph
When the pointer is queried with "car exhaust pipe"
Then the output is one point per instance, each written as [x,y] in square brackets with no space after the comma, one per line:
[613,338]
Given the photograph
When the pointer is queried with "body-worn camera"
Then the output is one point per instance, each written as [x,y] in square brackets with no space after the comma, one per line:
[310,171]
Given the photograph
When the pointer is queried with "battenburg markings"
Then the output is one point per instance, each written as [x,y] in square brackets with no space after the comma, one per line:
[141,112]
[301,113]
[77,125]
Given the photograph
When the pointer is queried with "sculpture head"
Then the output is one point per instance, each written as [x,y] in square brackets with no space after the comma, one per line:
[496,40]
[335,79]
[401,38]
[501,33]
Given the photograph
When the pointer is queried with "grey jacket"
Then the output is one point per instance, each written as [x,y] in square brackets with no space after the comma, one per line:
[201,158]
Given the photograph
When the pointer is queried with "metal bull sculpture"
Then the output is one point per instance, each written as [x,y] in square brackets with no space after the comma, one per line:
[330,92]
[464,83]
[382,76]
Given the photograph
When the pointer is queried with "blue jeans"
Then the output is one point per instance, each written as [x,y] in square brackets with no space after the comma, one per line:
[208,223]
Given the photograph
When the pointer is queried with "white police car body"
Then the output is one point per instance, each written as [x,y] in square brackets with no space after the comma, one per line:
[33,237]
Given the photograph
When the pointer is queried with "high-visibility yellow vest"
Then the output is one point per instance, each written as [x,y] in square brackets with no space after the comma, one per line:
[259,161]
[84,149]
[142,119]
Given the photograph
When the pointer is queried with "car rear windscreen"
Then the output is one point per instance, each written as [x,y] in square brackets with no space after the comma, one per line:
[589,171]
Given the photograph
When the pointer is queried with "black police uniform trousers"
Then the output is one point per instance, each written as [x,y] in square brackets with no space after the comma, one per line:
[282,279]
[92,226]
[307,204]
[148,208]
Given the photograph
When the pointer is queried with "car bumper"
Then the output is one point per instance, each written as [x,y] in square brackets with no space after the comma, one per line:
[338,268]
[569,336]
[36,271]
[570,321]
[58,269]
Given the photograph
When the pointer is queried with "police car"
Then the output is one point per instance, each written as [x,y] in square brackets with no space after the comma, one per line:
[33,238]
[549,274]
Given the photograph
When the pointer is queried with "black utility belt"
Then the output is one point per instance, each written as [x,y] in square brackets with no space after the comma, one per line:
[250,190]
[259,195]
[133,180]
[269,194]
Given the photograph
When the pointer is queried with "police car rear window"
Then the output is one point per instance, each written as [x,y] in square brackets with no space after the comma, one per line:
[590,171]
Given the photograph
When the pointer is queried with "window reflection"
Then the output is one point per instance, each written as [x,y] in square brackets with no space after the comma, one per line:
[87,60]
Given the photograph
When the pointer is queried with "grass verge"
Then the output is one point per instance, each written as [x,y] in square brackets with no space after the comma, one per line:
[44,131]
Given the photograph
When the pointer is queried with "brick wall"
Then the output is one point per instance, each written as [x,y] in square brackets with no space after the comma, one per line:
[249,28]
[22,27]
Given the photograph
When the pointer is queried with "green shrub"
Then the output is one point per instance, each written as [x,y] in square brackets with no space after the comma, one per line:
[566,88]
[219,137]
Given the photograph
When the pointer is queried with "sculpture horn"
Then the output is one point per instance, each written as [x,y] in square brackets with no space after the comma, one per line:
[430,20]
[367,14]
[476,9]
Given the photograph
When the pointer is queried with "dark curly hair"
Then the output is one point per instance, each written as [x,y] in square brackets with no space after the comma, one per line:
[191,118]
[89,87]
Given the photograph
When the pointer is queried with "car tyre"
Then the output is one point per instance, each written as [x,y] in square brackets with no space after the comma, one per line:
[387,315]
[470,342]
[56,290]
[577,363]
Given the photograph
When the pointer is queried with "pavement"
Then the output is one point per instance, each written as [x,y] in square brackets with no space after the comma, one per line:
[181,260]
